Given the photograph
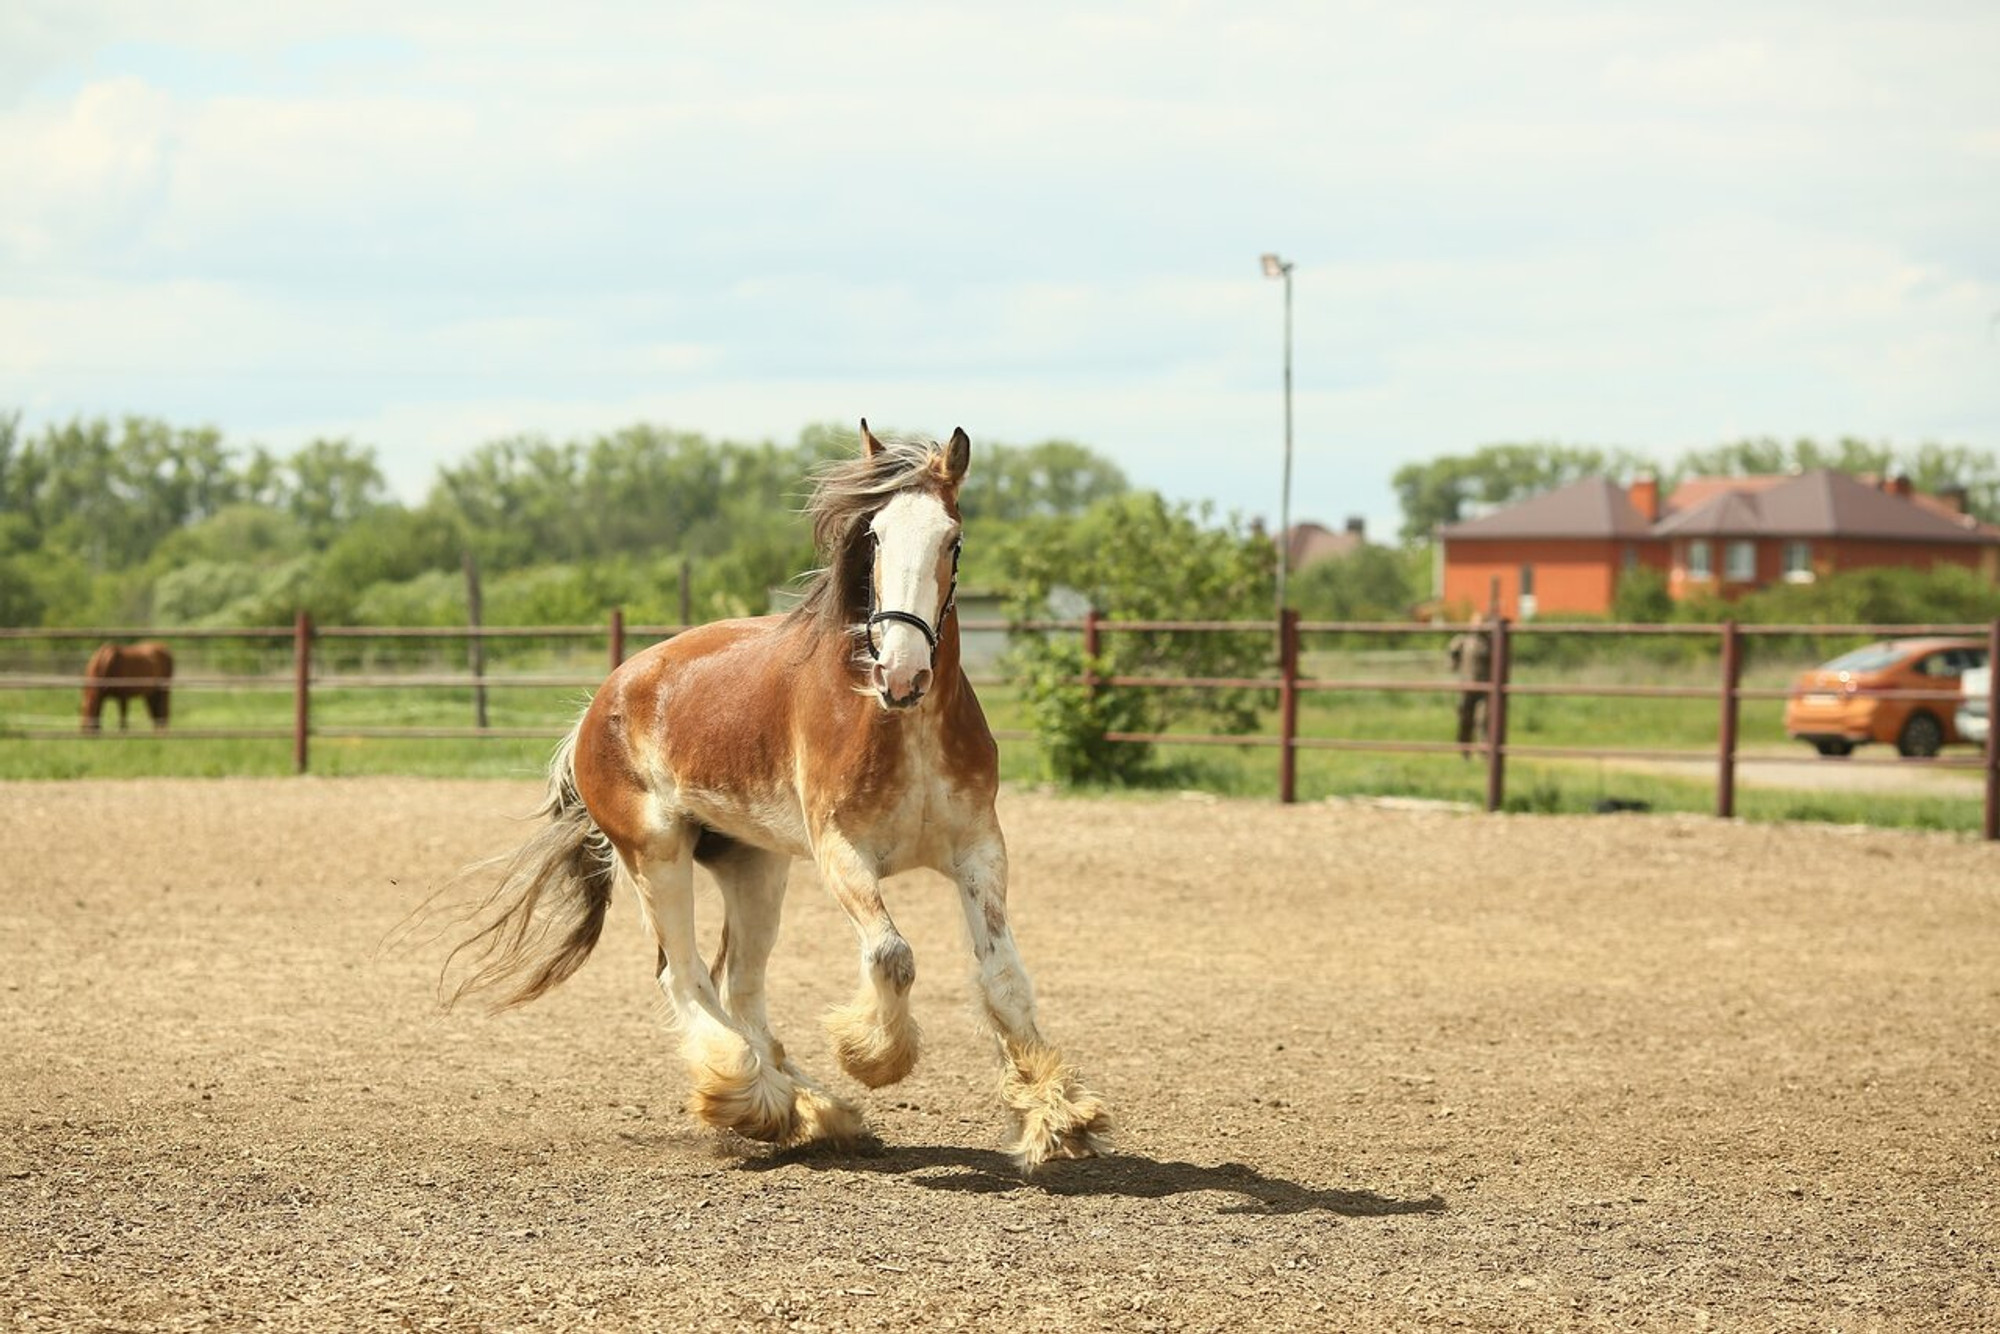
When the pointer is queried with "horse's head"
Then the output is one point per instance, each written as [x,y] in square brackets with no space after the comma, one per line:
[914,573]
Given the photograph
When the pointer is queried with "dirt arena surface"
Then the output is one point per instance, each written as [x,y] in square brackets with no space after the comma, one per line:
[1375,1069]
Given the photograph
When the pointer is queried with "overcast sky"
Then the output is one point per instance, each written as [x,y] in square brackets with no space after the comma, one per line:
[427,225]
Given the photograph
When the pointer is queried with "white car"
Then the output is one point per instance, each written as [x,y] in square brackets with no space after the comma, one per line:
[1977,683]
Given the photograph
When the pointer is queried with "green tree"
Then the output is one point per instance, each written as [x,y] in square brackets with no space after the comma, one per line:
[1766,456]
[329,484]
[247,533]
[1056,477]
[434,597]
[1369,583]
[1941,469]
[386,546]
[1136,557]
[198,590]
[1934,468]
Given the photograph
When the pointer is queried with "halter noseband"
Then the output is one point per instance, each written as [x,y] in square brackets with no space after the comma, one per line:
[910,618]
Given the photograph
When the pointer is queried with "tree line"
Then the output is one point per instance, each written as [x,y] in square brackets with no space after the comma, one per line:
[1446,489]
[142,523]
[139,522]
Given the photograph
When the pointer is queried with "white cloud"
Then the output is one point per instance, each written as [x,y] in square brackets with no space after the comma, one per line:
[426,226]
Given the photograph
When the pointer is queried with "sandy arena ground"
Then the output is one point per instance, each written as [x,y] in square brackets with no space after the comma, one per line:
[1374,1069]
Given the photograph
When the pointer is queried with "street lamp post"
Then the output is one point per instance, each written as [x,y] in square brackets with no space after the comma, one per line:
[1280,268]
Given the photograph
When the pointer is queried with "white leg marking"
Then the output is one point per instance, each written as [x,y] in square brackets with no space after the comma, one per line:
[1058,1117]
[874,1035]
[735,1085]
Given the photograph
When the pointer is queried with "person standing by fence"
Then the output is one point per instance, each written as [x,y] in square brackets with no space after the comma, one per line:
[1472,663]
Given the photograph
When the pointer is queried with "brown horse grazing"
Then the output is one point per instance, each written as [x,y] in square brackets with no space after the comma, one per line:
[844,731]
[121,671]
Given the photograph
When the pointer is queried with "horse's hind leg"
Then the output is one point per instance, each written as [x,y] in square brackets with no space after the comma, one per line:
[752,882]
[1058,1116]
[735,1084]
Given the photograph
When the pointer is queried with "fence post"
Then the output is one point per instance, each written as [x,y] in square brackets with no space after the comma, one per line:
[1992,829]
[1090,648]
[1496,718]
[301,688]
[1288,704]
[1732,676]
[475,647]
[617,638]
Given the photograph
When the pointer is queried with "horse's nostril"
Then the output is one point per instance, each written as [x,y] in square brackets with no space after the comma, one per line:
[921,683]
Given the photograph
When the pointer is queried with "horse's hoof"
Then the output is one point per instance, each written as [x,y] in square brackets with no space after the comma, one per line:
[1059,1117]
[822,1120]
[875,1053]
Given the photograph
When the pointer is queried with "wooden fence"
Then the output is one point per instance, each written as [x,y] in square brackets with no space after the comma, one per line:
[1287,683]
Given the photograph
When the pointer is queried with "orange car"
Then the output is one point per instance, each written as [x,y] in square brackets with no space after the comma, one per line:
[1827,711]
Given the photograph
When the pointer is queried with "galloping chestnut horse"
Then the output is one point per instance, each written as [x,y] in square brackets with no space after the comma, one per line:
[121,671]
[843,731]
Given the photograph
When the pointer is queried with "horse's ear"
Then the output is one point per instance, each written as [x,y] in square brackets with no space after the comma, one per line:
[957,455]
[870,446]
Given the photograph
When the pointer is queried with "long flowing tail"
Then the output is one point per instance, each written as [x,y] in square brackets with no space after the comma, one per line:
[543,919]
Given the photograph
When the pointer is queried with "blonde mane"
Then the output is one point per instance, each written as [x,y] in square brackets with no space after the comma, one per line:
[846,494]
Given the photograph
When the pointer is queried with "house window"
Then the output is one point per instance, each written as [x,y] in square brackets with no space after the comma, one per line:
[1740,562]
[1631,559]
[1526,609]
[1699,564]
[1798,562]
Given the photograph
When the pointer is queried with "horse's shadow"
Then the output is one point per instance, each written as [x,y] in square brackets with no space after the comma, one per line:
[983,1171]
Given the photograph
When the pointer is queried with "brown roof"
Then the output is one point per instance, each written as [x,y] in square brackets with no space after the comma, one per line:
[1698,491]
[1819,503]
[1593,507]
[1312,542]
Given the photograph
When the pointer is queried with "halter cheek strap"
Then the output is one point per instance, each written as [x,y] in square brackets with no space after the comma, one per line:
[910,618]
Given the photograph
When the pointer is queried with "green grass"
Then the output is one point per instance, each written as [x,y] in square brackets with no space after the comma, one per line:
[1686,725]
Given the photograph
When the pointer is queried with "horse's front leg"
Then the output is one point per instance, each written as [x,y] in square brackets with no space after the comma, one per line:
[874,1035]
[1058,1116]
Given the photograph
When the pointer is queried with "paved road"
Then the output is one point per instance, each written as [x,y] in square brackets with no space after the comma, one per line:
[1874,769]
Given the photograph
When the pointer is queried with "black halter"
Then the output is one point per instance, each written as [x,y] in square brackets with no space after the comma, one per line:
[910,618]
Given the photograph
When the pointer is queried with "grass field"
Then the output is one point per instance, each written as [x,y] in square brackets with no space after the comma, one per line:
[1687,725]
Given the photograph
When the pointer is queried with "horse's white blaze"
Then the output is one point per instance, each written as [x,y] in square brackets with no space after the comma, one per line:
[913,535]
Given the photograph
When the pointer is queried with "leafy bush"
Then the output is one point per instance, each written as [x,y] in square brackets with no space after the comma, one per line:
[1369,583]
[194,592]
[1071,719]
[1642,597]
[432,598]
[279,595]
[1137,557]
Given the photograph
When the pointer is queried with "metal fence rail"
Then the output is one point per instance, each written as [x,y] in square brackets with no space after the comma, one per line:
[1287,685]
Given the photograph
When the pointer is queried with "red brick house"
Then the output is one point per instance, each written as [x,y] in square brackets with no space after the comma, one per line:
[1565,550]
